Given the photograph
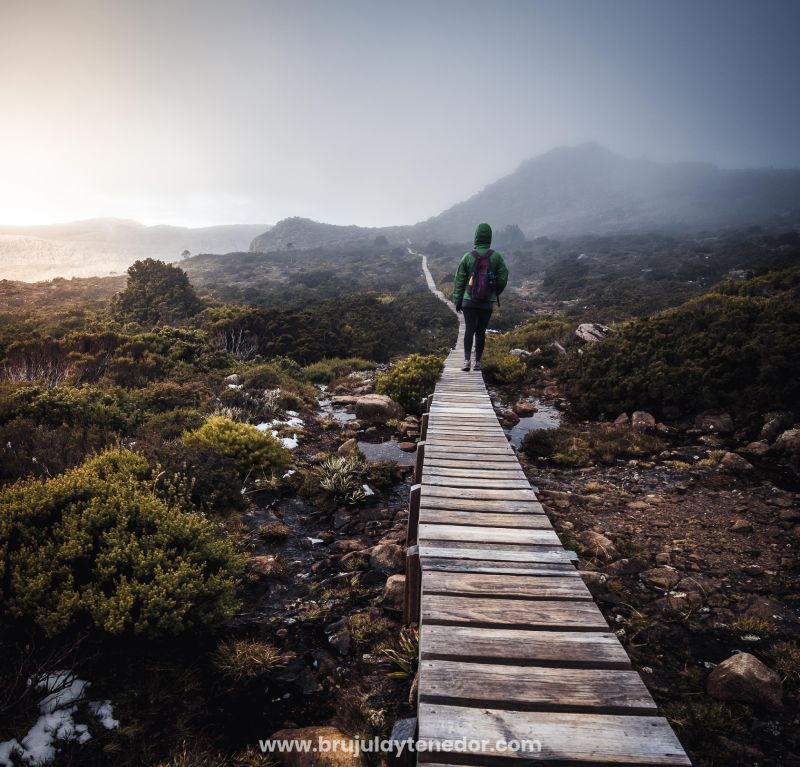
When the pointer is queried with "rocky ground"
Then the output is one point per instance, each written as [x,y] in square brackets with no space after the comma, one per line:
[691,554]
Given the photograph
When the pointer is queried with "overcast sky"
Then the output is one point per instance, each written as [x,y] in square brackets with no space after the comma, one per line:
[383,112]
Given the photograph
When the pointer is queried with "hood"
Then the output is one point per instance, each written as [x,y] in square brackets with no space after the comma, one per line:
[483,235]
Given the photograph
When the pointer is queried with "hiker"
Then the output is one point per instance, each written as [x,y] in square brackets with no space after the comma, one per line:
[480,279]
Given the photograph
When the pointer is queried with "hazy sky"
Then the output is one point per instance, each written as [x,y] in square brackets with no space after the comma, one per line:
[231,111]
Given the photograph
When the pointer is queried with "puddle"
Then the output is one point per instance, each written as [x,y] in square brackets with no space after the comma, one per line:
[545,417]
[387,451]
[327,410]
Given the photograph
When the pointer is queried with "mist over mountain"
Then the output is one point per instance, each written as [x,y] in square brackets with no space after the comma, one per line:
[586,189]
[107,245]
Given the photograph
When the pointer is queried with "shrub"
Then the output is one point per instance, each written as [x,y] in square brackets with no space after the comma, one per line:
[328,370]
[250,450]
[501,367]
[410,380]
[339,477]
[96,547]
[246,658]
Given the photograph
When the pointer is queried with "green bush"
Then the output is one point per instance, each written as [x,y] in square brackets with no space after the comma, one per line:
[328,370]
[410,380]
[501,367]
[251,451]
[95,547]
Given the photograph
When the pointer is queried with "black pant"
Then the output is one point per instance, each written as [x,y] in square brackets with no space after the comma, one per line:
[475,323]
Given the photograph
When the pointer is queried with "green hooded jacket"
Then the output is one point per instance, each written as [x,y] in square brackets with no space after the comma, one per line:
[461,288]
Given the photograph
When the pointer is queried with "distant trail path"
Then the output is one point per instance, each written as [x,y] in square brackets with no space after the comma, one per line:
[431,282]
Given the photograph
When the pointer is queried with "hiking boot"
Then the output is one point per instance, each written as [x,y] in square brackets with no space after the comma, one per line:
[477,365]
[466,366]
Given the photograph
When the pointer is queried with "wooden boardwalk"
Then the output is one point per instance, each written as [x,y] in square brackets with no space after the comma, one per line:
[512,645]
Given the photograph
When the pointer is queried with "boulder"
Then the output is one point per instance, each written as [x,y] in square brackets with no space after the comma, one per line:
[350,447]
[715,423]
[343,400]
[524,409]
[521,353]
[661,577]
[377,408]
[643,421]
[394,593]
[788,442]
[622,420]
[596,545]
[732,463]
[508,419]
[757,449]
[556,348]
[774,424]
[232,380]
[592,331]
[336,748]
[743,677]
[387,558]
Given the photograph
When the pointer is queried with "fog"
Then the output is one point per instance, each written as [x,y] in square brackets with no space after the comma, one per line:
[195,112]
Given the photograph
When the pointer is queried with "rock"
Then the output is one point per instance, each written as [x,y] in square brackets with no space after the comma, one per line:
[788,442]
[407,447]
[524,409]
[715,423]
[343,400]
[774,424]
[408,425]
[789,515]
[732,463]
[341,518]
[387,558]
[661,577]
[643,421]
[593,578]
[743,677]
[346,545]
[622,420]
[756,449]
[663,558]
[627,566]
[267,565]
[557,348]
[596,545]
[592,331]
[341,641]
[377,408]
[350,447]
[394,593]
[336,751]
[521,353]
[509,418]
[741,526]
[233,380]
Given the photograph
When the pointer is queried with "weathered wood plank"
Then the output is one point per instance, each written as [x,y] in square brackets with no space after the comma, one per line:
[561,737]
[455,565]
[534,688]
[492,483]
[519,646]
[429,533]
[511,613]
[483,519]
[486,504]
[496,586]
[431,491]
[473,473]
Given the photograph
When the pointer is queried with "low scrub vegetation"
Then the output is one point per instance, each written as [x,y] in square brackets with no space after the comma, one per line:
[411,380]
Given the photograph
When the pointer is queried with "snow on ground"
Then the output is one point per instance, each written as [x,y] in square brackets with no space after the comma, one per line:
[65,692]
[293,421]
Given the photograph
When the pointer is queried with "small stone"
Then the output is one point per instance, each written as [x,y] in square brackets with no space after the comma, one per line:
[341,641]
[524,409]
[753,570]
[663,558]
[350,447]
[741,526]
[789,515]
[622,420]
[394,593]
[788,442]
[756,449]
[745,678]
[233,380]
[596,545]
[341,518]
[661,577]
[627,566]
[388,558]
[643,421]
[732,463]
[407,447]
[267,565]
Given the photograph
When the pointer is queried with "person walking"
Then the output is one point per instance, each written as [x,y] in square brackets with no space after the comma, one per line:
[481,277]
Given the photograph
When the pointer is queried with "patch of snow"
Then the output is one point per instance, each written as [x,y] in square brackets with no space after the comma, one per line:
[56,723]
[290,443]
[234,386]
[289,473]
[750,638]
[368,490]
[314,541]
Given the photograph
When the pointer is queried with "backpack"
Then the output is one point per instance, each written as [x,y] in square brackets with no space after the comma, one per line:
[481,281]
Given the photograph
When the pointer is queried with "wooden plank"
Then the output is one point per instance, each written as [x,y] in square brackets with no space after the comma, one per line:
[497,586]
[519,646]
[529,688]
[511,613]
[483,519]
[492,483]
[501,462]
[431,491]
[474,473]
[562,738]
[455,565]
[531,506]
[507,552]
[483,535]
